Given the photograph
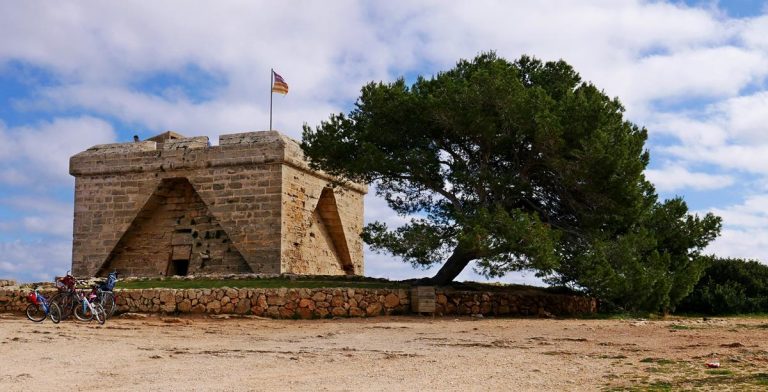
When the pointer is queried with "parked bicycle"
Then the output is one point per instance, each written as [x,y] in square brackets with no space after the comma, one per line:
[106,294]
[88,306]
[66,298]
[40,308]
[69,299]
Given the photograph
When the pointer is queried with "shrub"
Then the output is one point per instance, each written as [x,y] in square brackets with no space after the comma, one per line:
[729,286]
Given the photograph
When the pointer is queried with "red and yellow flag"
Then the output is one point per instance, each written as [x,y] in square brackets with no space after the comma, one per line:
[278,84]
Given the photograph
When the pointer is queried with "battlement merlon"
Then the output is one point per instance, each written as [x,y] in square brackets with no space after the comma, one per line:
[238,149]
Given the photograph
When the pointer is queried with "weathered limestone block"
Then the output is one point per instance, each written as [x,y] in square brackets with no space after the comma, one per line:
[168,307]
[337,300]
[373,309]
[214,306]
[257,310]
[243,306]
[305,313]
[184,305]
[261,301]
[276,299]
[167,296]
[391,300]
[306,303]
[318,296]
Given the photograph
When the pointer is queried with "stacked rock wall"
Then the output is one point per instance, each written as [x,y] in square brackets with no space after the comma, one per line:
[511,303]
[327,302]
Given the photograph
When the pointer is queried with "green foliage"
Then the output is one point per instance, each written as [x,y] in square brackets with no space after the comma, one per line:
[729,286]
[516,165]
[651,267]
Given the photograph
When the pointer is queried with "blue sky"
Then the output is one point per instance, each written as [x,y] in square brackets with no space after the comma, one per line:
[84,73]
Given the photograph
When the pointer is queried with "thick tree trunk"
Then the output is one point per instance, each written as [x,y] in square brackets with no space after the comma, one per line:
[452,267]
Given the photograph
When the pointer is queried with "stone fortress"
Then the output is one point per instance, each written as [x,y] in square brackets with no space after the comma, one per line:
[173,205]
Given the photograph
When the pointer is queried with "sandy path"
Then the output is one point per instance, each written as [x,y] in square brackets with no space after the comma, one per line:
[381,354]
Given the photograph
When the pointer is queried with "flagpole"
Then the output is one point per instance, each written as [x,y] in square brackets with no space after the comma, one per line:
[271,81]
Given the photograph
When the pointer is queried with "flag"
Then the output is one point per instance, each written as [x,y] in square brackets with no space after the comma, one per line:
[279,85]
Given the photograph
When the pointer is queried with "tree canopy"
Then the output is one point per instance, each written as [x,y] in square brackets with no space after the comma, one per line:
[517,166]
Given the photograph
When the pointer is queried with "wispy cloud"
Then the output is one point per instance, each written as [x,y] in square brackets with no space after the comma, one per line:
[39,153]
[672,178]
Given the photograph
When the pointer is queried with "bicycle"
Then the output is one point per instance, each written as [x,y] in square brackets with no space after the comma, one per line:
[106,295]
[40,308]
[66,298]
[88,307]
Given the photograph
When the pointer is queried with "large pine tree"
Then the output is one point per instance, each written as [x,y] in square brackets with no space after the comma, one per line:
[515,165]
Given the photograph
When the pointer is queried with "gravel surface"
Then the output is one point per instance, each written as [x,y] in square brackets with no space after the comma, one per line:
[383,354]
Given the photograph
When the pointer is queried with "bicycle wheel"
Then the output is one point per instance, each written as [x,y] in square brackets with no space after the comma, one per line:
[36,312]
[108,302]
[66,302]
[99,314]
[54,312]
[83,312]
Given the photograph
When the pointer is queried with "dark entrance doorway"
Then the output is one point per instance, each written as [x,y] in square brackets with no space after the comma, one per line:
[179,267]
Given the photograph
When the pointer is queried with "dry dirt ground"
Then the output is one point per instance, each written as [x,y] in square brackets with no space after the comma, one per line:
[383,354]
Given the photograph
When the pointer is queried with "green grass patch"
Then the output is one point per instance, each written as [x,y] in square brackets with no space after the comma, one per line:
[660,386]
[720,372]
[660,361]
[760,378]
[256,283]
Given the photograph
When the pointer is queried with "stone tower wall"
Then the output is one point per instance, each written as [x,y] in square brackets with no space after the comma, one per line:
[241,186]
[311,235]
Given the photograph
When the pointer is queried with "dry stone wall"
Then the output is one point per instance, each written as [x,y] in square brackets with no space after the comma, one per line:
[511,303]
[307,303]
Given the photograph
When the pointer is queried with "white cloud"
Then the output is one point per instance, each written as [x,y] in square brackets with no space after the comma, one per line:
[60,225]
[752,213]
[747,117]
[731,134]
[745,230]
[47,221]
[34,260]
[742,243]
[210,118]
[99,52]
[689,131]
[704,72]
[749,158]
[754,33]
[41,152]
[12,176]
[672,178]
[96,57]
